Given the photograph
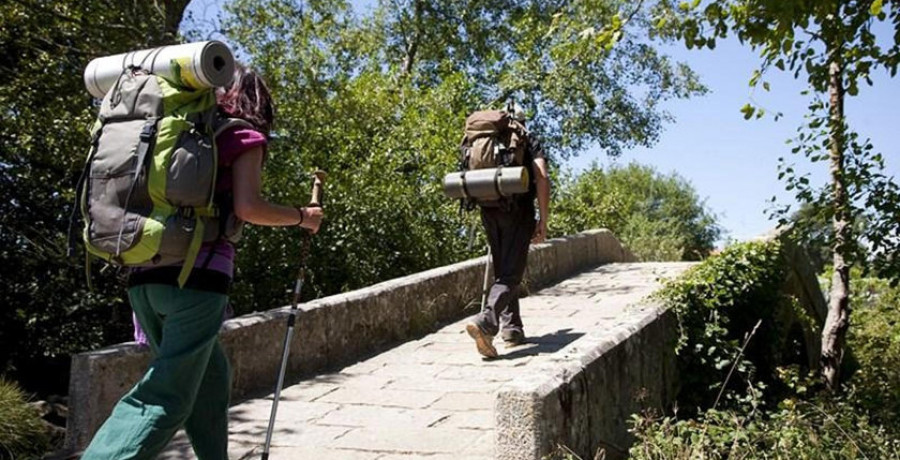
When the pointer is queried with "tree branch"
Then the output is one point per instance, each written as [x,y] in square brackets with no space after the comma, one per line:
[412,43]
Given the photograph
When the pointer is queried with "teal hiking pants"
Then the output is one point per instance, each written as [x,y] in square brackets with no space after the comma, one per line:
[188,383]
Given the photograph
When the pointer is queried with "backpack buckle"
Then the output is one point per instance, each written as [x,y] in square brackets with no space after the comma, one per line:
[148,131]
[189,223]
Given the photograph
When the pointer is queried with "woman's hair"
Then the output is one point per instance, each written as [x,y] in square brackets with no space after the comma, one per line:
[248,98]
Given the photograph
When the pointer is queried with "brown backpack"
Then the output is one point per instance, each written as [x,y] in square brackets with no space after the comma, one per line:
[492,138]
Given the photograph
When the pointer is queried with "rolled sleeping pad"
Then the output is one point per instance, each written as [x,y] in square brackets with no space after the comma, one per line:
[487,184]
[194,65]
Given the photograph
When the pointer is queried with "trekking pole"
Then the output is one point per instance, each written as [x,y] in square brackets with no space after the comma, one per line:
[315,202]
[484,288]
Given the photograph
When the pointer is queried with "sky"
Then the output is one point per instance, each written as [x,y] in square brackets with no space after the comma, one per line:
[732,162]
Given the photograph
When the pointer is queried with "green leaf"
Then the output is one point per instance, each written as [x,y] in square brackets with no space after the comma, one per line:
[875,9]
[754,79]
[748,111]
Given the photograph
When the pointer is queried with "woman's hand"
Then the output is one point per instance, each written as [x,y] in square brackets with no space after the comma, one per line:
[312,218]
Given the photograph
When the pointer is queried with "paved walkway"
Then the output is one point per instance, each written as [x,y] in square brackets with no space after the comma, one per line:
[433,398]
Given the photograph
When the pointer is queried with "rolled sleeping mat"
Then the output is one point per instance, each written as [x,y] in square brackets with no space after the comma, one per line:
[194,65]
[487,184]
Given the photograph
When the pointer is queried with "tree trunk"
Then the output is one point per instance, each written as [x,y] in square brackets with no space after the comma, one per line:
[173,11]
[838,320]
[412,43]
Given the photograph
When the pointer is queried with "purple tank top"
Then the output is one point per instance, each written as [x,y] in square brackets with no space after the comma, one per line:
[231,144]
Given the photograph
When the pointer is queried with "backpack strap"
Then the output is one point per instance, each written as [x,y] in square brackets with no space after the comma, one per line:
[464,146]
[192,252]
[147,139]
[220,126]
[196,240]
[79,191]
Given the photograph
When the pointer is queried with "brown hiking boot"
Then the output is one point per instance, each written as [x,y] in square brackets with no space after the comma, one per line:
[482,341]
[513,338]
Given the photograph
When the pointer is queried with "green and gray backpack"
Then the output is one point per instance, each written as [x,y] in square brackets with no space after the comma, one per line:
[147,193]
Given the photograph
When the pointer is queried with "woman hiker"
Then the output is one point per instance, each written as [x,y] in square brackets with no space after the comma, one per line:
[188,383]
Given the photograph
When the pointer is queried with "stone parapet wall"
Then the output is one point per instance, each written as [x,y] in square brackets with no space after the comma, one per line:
[585,400]
[332,331]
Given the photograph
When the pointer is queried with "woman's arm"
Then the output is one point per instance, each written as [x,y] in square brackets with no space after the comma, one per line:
[250,206]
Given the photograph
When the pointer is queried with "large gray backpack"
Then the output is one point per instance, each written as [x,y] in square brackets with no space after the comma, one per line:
[147,193]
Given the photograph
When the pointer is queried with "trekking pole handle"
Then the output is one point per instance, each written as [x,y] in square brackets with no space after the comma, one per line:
[318,182]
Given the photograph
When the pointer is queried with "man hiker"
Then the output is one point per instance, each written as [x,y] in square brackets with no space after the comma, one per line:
[509,229]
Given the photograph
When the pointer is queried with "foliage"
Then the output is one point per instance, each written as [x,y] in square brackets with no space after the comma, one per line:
[385,214]
[380,103]
[875,342]
[659,217]
[584,69]
[797,429]
[795,35]
[22,433]
[814,233]
[862,421]
[718,303]
[44,46]
[874,210]
[834,44]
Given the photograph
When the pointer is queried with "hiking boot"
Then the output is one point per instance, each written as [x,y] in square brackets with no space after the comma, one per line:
[513,338]
[482,341]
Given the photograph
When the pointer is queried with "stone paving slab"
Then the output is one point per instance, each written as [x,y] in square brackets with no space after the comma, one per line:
[433,398]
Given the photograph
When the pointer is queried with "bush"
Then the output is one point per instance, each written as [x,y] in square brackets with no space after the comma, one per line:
[718,303]
[820,429]
[874,339]
[861,421]
[22,432]
[659,217]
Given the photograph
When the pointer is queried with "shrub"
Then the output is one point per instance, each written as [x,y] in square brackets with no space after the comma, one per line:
[861,421]
[874,339]
[22,432]
[718,303]
[659,217]
[819,429]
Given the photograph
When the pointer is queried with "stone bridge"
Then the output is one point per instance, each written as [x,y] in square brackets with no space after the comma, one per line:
[389,373]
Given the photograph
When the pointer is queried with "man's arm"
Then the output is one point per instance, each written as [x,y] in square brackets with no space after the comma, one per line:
[539,168]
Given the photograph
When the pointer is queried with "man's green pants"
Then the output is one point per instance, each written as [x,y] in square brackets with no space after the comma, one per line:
[188,383]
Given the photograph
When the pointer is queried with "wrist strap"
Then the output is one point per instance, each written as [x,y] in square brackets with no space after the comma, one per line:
[300,209]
